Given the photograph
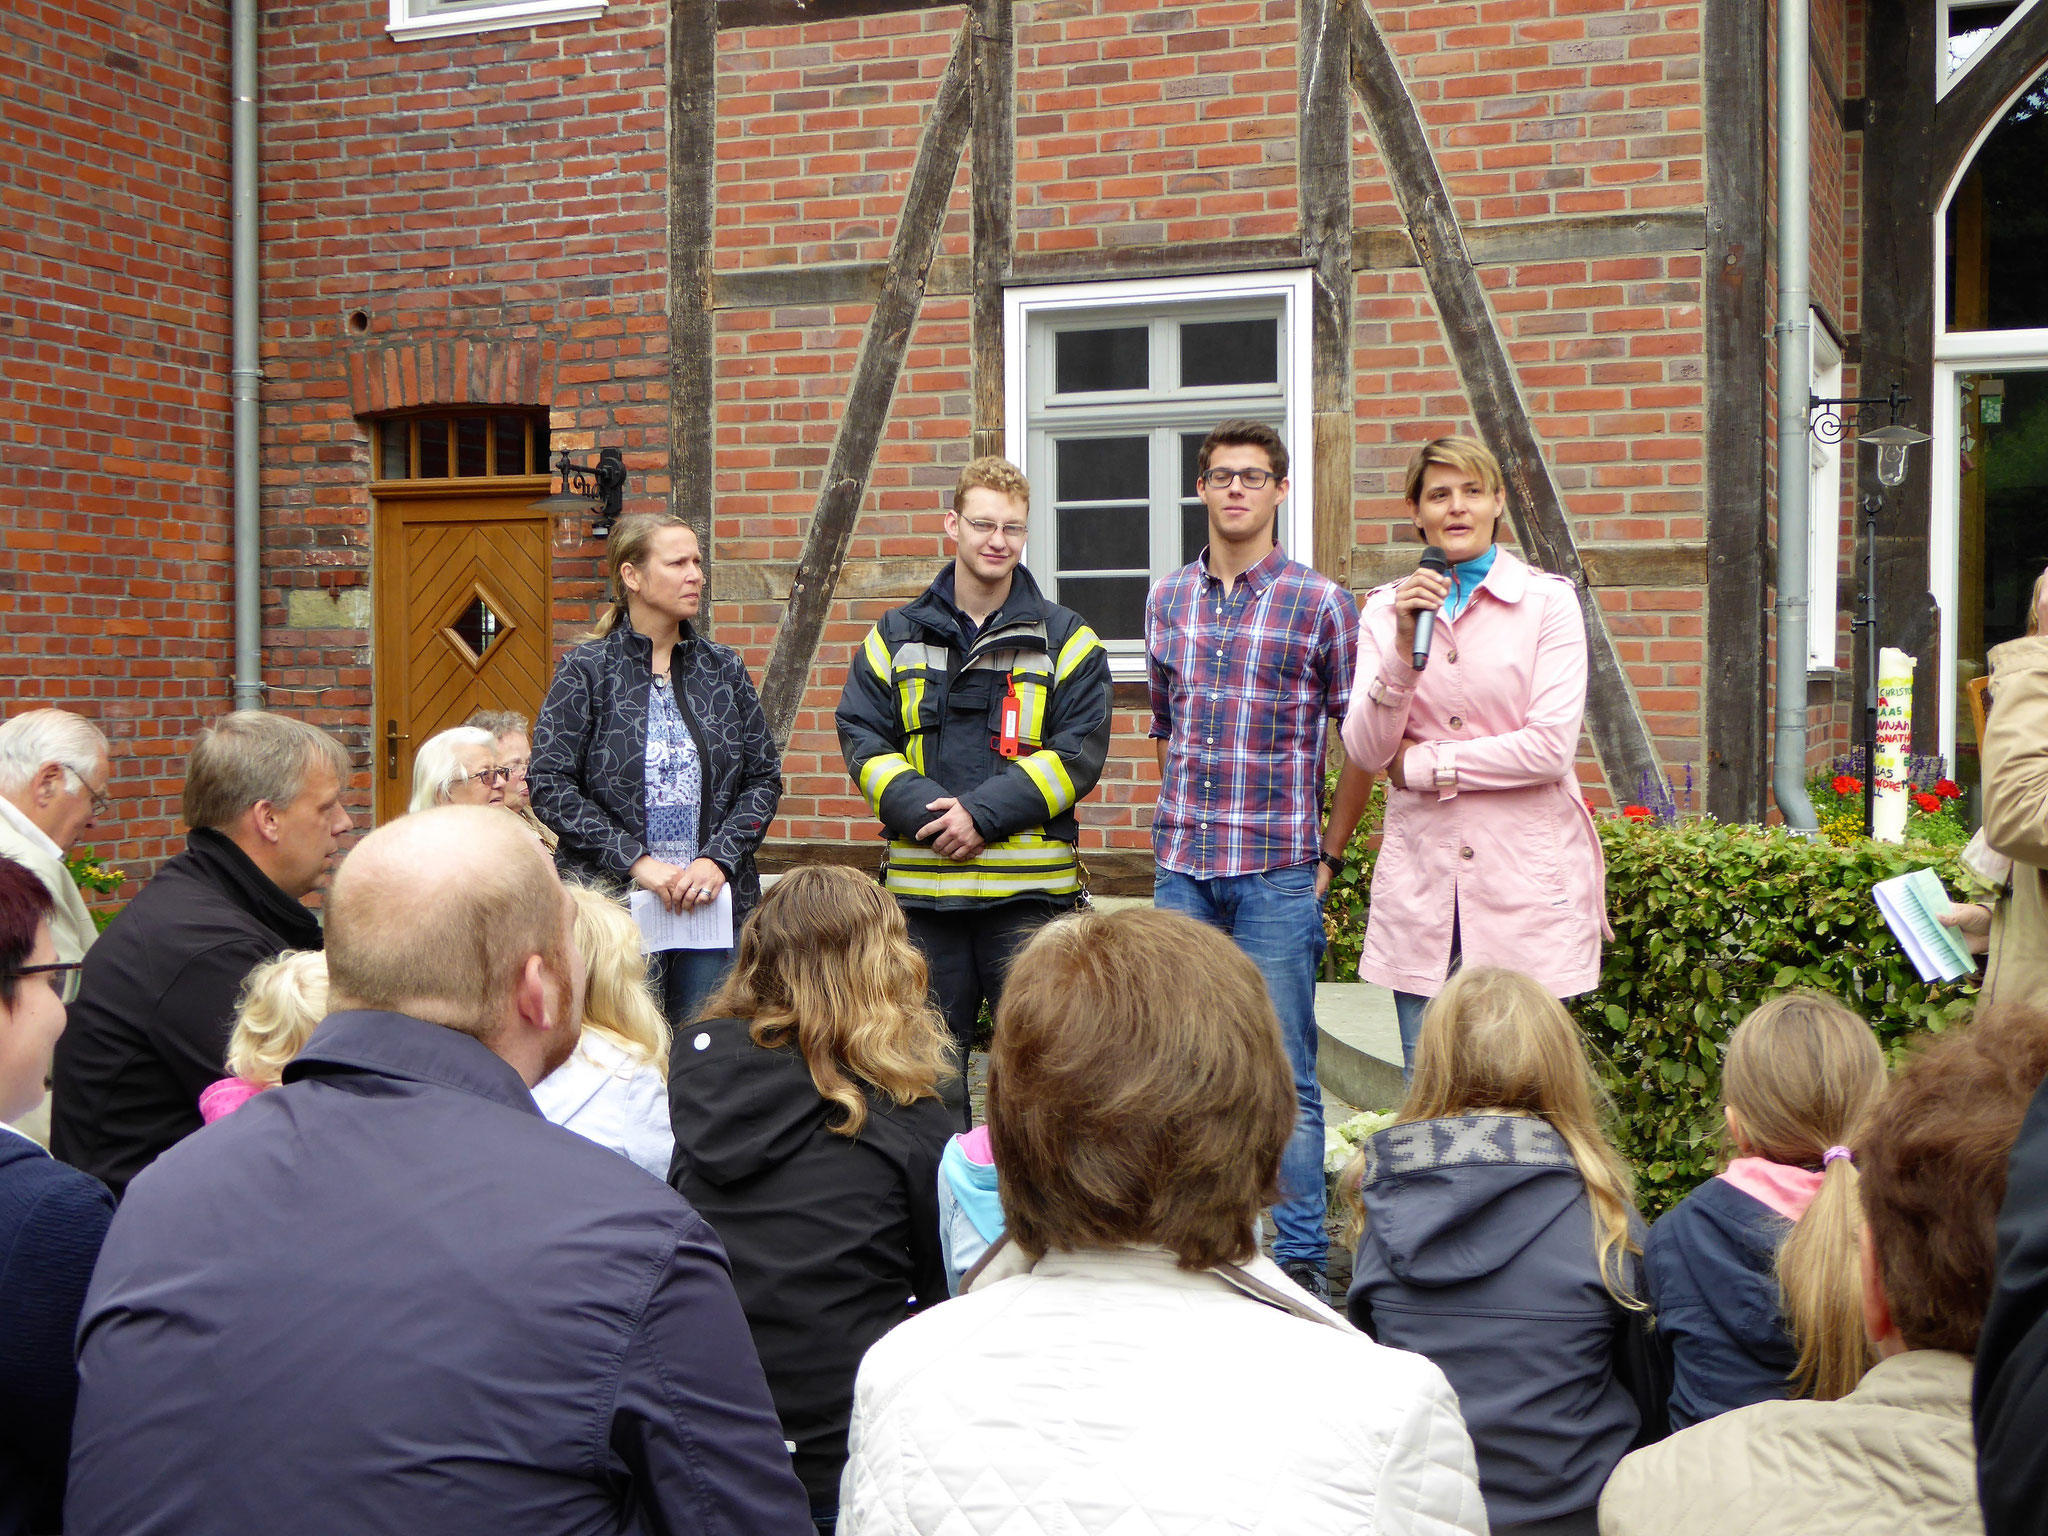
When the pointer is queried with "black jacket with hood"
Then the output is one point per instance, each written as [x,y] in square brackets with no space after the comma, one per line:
[833,1239]
[1478,1253]
[149,1031]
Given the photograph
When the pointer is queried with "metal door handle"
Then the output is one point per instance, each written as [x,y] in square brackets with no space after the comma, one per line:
[392,737]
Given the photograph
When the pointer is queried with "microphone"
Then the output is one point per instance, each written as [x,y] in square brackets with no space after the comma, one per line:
[1425,622]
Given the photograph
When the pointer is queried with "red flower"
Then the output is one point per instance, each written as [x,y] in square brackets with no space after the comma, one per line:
[1948,789]
[1637,812]
[1845,785]
[1928,803]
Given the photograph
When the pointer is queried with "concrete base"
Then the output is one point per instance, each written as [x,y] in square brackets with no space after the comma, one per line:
[1359,1055]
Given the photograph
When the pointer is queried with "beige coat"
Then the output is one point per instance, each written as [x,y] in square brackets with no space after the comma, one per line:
[71,924]
[1894,1456]
[2015,768]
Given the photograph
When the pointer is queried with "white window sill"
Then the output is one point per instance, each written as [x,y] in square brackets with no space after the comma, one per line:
[497,18]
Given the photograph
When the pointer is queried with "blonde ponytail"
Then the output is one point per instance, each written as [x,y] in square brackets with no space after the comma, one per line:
[1820,1277]
[628,546]
[1802,1074]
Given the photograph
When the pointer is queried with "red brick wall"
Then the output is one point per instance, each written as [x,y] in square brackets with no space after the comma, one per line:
[114,348]
[497,196]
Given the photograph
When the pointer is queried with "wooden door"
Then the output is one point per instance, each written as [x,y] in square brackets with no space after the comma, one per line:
[462,584]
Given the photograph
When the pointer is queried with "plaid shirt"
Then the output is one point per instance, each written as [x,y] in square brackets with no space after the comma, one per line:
[1243,686]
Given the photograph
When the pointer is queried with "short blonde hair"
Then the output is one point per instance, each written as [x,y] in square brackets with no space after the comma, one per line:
[1138,1090]
[1494,1041]
[438,767]
[617,1002]
[1467,455]
[282,1001]
[826,965]
[991,473]
[251,756]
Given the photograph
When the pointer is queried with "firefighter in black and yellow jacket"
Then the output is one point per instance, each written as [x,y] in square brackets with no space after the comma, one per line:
[973,719]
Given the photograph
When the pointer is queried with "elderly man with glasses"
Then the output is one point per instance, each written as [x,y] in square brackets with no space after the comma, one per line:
[54,768]
[973,720]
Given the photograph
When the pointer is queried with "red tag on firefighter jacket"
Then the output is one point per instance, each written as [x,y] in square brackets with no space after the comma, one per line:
[1012,712]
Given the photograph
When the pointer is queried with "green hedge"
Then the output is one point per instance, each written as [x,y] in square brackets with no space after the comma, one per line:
[1710,920]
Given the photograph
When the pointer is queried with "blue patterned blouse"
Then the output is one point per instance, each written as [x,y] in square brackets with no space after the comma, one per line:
[675,779]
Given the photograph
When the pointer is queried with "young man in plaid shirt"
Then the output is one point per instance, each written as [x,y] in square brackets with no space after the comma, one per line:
[1250,657]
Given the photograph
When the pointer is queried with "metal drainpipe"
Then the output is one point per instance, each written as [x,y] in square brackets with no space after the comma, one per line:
[247,375]
[1795,353]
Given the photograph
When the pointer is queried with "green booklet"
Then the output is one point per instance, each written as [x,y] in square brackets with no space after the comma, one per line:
[1912,906]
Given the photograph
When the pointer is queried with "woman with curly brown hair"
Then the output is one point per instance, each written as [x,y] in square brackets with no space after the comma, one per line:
[808,1130]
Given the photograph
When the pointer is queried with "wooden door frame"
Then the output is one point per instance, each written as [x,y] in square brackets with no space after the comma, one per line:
[390,501]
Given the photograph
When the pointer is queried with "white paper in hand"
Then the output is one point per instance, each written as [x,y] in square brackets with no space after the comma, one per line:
[705,927]
[1911,905]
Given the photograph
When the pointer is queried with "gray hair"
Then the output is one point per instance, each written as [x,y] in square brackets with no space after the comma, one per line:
[251,756]
[499,722]
[42,736]
[438,768]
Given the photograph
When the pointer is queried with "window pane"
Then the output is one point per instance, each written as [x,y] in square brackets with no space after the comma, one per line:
[537,432]
[1194,531]
[1114,605]
[1105,538]
[1091,360]
[470,434]
[395,439]
[1230,352]
[511,444]
[1190,459]
[433,432]
[1998,226]
[1103,469]
[1968,29]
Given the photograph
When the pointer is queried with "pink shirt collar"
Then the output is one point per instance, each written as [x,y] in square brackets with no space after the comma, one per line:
[1786,1190]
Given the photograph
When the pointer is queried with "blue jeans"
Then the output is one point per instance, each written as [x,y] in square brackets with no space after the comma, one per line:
[1409,1007]
[685,978]
[1277,921]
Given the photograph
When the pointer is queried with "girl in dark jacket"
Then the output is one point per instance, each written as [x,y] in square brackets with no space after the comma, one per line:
[652,761]
[1800,1074]
[809,1129]
[1499,1237]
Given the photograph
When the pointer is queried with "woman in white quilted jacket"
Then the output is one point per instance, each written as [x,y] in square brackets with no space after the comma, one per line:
[1125,1360]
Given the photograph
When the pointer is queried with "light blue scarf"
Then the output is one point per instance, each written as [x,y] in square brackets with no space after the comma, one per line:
[1466,576]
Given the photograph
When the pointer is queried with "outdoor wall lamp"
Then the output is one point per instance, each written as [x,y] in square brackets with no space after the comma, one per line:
[598,490]
[1892,442]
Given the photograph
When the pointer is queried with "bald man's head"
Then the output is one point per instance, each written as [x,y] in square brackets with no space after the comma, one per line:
[436,915]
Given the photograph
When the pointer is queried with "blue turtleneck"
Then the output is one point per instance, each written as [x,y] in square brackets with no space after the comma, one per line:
[1465,578]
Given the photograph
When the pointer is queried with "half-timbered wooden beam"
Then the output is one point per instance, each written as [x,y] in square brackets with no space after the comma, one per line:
[1984,92]
[1733,692]
[993,155]
[692,153]
[1534,503]
[1323,152]
[869,394]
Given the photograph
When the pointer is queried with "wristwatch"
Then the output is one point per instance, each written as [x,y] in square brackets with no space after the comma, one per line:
[1333,862]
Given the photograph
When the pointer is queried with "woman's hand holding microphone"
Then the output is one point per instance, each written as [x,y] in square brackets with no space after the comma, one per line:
[693,885]
[1423,592]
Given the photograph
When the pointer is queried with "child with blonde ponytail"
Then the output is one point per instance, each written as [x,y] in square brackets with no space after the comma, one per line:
[1498,1235]
[1754,1274]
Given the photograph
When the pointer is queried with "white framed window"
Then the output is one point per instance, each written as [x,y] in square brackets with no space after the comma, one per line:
[1824,500]
[1968,29]
[1111,388]
[412,19]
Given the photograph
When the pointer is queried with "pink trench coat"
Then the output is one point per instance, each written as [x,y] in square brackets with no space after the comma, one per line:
[1507,844]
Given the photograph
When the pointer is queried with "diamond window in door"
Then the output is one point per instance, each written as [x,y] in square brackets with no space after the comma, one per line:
[478,625]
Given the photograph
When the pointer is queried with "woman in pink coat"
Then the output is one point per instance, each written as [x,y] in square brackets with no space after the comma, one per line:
[1488,853]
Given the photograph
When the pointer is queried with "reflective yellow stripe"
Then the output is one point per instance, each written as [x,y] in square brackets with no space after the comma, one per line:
[1025,865]
[1051,777]
[909,700]
[877,654]
[1031,711]
[1080,644]
[915,747]
[878,773]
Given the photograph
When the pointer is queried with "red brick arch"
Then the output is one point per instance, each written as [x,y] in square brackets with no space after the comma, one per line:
[450,370]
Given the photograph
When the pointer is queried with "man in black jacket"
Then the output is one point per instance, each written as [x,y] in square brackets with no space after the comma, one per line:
[974,720]
[149,1030]
[389,1296]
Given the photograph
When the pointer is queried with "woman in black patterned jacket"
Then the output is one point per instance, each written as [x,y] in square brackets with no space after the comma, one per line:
[652,760]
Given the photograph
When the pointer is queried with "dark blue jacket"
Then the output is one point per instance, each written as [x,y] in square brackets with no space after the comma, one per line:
[52,1222]
[2009,1401]
[1478,1253]
[389,1296]
[1711,1266]
[588,777]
